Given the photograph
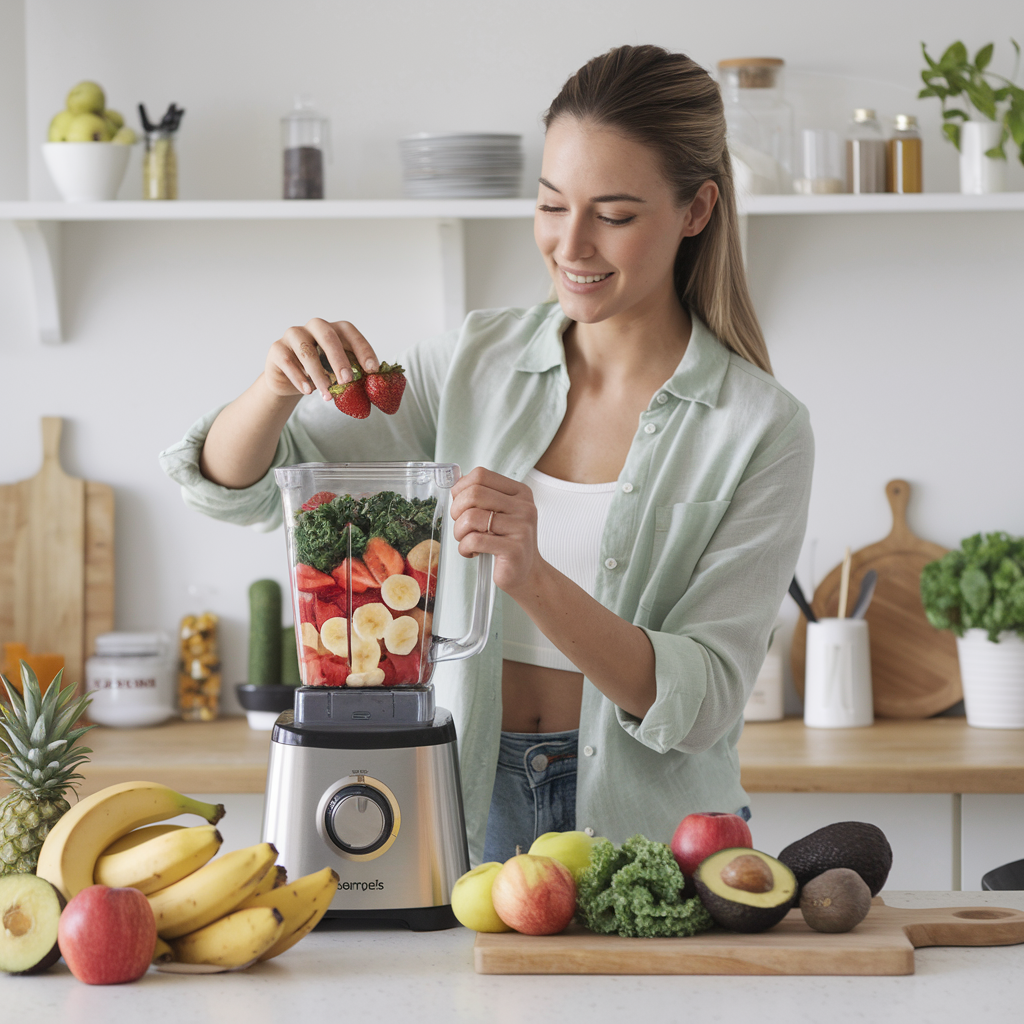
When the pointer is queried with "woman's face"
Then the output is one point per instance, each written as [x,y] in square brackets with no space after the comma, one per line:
[607,223]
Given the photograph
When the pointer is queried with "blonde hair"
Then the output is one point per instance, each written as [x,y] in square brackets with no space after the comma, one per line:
[670,103]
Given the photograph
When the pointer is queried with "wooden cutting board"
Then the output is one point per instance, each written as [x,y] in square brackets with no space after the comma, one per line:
[915,672]
[56,560]
[883,943]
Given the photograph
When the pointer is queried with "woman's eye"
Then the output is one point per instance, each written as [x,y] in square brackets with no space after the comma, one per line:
[551,209]
[612,220]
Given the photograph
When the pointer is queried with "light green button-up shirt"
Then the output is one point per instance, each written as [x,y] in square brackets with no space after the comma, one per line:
[699,547]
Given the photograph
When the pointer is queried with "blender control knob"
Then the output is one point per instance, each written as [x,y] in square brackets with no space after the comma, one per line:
[359,819]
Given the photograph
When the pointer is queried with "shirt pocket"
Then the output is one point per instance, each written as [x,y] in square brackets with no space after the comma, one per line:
[681,534]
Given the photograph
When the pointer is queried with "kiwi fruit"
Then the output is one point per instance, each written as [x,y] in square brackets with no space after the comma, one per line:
[835,901]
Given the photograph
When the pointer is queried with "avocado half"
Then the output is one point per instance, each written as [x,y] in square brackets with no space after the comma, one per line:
[745,890]
[857,845]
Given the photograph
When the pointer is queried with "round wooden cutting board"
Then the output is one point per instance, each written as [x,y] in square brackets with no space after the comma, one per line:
[915,672]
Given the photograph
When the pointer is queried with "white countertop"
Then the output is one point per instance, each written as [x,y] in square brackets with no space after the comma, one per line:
[384,975]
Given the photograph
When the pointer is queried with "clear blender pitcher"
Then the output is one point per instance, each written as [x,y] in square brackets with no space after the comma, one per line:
[365,545]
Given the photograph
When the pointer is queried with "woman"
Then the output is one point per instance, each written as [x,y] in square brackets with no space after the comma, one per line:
[640,477]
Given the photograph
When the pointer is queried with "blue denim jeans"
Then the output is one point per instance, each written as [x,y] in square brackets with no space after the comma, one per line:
[534,791]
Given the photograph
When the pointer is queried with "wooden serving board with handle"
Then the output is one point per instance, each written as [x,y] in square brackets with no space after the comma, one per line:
[915,672]
[883,943]
[56,560]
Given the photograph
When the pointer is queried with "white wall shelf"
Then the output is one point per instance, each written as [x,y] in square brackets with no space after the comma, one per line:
[40,225]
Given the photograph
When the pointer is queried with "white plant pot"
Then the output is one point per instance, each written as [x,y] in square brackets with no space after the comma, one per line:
[86,172]
[993,679]
[980,174]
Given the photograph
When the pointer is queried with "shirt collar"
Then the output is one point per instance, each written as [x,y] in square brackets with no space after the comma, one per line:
[698,377]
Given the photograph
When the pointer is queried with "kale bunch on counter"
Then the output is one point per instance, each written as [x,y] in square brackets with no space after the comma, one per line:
[636,890]
[321,533]
[981,586]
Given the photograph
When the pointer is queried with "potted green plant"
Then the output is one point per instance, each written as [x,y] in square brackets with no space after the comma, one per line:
[977,592]
[994,112]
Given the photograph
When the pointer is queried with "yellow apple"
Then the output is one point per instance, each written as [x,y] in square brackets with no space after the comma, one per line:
[569,848]
[88,128]
[59,126]
[471,899]
[86,98]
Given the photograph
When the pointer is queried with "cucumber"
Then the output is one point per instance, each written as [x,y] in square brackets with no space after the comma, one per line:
[265,633]
[289,658]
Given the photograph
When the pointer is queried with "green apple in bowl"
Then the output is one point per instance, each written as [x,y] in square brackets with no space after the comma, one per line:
[88,128]
[86,98]
[569,848]
[58,131]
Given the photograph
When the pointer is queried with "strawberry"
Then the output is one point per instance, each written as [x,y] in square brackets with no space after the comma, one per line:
[362,579]
[384,388]
[351,398]
[312,581]
[318,499]
[382,559]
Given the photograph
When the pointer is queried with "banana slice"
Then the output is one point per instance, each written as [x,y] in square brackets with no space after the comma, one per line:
[401,635]
[374,677]
[334,634]
[425,555]
[370,620]
[365,653]
[400,592]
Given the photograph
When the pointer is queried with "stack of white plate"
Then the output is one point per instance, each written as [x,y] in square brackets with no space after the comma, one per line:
[453,165]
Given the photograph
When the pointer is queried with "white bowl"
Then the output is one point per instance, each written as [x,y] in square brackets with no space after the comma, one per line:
[86,172]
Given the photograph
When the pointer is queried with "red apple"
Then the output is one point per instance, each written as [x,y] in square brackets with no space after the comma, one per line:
[107,936]
[535,895]
[702,834]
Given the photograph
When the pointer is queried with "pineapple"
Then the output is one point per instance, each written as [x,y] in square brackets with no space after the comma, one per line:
[39,763]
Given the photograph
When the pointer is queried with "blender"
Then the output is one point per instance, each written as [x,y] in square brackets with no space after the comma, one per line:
[363,774]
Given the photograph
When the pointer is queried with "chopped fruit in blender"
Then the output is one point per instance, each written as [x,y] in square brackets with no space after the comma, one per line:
[334,636]
[371,620]
[384,388]
[312,668]
[362,578]
[307,608]
[422,562]
[401,634]
[311,580]
[400,592]
[365,653]
[326,610]
[373,677]
[407,667]
[336,671]
[310,636]
[382,559]
[387,666]
[318,499]
[424,618]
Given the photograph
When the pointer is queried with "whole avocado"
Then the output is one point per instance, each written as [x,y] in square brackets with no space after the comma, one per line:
[858,845]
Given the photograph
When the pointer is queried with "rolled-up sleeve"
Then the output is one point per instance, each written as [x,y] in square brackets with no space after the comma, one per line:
[712,641]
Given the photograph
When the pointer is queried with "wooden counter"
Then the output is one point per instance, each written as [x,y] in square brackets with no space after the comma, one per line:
[938,755]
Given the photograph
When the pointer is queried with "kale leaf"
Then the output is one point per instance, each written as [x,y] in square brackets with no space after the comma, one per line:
[636,890]
[402,522]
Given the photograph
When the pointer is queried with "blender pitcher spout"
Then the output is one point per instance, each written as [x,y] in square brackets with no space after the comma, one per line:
[446,649]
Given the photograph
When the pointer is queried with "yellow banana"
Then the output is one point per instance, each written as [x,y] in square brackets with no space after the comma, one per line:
[141,835]
[211,892]
[159,862]
[302,903]
[232,941]
[69,853]
[275,877]
[163,953]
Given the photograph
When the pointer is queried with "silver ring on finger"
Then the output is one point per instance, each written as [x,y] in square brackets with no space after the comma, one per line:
[489,518]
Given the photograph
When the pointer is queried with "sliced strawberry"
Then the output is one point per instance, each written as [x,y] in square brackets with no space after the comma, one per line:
[362,578]
[335,670]
[313,669]
[351,398]
[307,608]
[382,559]
[311,580]
[406,667]
[388,668]
[384,388]
[325,610]
[369,596]
[318,499]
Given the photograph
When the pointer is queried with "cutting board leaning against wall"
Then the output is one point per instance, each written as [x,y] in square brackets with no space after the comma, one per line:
[56,561]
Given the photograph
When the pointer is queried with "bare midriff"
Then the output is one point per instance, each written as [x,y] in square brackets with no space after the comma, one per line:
[538,699]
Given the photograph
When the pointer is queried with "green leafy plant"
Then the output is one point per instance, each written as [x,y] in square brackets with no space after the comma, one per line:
[954,76]
[980,586]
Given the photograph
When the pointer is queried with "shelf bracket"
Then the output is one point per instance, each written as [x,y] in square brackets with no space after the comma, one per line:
[452,239]
[43,244]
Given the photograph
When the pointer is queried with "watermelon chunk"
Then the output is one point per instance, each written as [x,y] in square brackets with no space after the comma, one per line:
[310,580]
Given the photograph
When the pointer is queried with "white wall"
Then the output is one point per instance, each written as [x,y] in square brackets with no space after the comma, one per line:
[901,334]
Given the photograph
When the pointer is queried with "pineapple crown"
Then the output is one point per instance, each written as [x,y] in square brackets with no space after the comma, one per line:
[39,735]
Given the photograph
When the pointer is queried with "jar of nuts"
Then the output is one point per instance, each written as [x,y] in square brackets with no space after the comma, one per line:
[199,673]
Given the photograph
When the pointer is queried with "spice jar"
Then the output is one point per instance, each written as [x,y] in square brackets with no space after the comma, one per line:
[130,679]
[760,124]
[903,167]
[304,136]
[199,672]
[160,167]
[865,153]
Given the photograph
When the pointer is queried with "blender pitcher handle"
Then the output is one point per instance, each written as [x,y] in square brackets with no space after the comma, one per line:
[444,649]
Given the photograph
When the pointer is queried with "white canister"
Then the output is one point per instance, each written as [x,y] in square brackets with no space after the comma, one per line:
[837,677]
[131,680]
[981,174]
[993,679]
[766,702]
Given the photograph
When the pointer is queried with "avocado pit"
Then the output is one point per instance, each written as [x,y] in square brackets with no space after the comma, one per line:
[749,873]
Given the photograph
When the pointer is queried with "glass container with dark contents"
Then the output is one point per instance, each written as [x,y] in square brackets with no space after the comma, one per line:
[304,137]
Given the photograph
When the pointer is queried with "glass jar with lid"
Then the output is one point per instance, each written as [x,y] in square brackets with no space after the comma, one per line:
[304,139]
[759,122]
[131,680]
[865,153]
[903,166]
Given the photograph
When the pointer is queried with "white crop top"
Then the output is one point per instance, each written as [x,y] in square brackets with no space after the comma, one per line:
[570,522]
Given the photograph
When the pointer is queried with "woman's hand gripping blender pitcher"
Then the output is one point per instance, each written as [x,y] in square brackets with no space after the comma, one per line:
[364,774]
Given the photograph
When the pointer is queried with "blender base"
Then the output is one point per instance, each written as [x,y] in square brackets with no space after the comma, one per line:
[416,919]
